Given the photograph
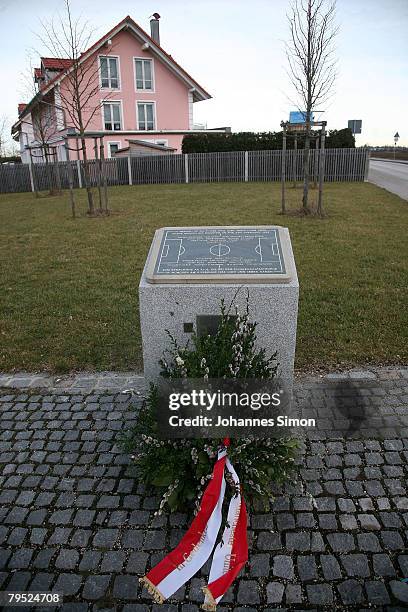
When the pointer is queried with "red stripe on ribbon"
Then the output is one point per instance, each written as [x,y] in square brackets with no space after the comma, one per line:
[193,535]
[239,556]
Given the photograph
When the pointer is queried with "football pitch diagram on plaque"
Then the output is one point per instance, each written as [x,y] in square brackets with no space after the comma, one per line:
[219,254]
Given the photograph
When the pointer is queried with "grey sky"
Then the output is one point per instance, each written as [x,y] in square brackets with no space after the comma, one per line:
[235,50]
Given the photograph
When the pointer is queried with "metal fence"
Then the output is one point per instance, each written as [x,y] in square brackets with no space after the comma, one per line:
[248,166]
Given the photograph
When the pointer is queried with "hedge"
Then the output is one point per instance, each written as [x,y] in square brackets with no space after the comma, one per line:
[258,141]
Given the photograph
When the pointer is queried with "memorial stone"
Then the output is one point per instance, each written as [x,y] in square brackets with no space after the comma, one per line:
[190,269]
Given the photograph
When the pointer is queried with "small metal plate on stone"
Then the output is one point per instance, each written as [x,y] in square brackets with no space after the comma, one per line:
[259,254]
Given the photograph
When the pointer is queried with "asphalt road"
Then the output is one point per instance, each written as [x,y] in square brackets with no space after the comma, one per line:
[390,175]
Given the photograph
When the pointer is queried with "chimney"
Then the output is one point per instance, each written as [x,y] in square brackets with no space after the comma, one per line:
[154,28]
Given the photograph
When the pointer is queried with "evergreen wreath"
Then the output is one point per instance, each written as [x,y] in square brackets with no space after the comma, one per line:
[181,469]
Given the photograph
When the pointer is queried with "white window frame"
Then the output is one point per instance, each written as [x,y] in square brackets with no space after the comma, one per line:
[162,142]
[113,142]
[117,58]
[153,103]
[144,59]
[106,102]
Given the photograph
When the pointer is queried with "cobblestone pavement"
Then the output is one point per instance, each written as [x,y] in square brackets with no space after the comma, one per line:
[74,520]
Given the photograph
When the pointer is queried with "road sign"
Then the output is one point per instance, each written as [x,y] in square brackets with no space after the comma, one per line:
[355,125]
[299,117]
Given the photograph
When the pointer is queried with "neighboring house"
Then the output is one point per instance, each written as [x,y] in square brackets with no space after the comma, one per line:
[141,147]
[143,94]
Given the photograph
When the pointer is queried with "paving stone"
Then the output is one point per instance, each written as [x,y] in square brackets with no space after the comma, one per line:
[269,541]
[369,522]
[346,505]
[377,593]
[19,582]
[21,558]
[403,563]
[155,540]
[283,567]
[42,582]
[90,560]
[37,517]
[368,542]
[399,590]
[355,565]
[383,566]
[84,518]
[307,568]
[259,565]
[248,592]
[350,592]
[67,559]
[293,594]
[274,592]
[392,540]
[125,587]
[60,535]
[298,541]
[137,562]
[327,522]
[341,542]
[330,567]
[43,558]
[4,557]
[95,587]
[106,538]
[113,561]
[320,594]
[80,537]
[68,584]
[17,536]
[390,519]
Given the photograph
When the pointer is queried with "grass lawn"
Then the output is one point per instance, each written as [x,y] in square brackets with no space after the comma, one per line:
[69,290]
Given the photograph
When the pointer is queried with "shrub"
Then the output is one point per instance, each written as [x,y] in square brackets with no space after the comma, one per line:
[180,469]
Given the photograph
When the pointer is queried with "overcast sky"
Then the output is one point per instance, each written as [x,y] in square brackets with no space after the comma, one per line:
[235,49]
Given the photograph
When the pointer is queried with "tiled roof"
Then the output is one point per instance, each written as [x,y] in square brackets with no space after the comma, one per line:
[55,63]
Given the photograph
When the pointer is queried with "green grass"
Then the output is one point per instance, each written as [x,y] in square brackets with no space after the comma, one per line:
[69,296]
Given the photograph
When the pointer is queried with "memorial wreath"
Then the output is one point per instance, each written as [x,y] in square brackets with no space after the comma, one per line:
[194,473]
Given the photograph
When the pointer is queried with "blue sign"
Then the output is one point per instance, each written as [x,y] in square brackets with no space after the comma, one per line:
[299,117]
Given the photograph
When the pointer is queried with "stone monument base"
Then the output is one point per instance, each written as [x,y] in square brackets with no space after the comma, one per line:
[176,307]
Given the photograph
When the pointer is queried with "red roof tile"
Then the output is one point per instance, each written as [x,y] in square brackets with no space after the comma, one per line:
[55,63]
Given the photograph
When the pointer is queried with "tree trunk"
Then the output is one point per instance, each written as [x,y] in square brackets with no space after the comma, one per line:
[70,180]
[87,180]
[48,170]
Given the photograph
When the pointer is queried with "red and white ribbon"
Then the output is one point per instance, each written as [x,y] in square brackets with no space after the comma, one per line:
[197,544]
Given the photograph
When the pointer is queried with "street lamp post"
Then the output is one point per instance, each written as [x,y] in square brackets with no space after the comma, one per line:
[396,138]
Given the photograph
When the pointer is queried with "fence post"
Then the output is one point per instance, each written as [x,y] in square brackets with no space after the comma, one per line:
[321,170]
[78,165]
[186,167]
[367,164]
[246,166]
[129,164]
[30,169]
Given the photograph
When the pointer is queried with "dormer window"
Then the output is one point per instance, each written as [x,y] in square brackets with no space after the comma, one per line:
[109,68]
[144,74]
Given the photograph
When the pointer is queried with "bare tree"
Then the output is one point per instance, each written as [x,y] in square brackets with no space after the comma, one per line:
[312,65]
[43,124]
[7,147]
[79,100]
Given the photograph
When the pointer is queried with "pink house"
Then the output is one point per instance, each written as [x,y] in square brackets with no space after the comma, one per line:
[139,93]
